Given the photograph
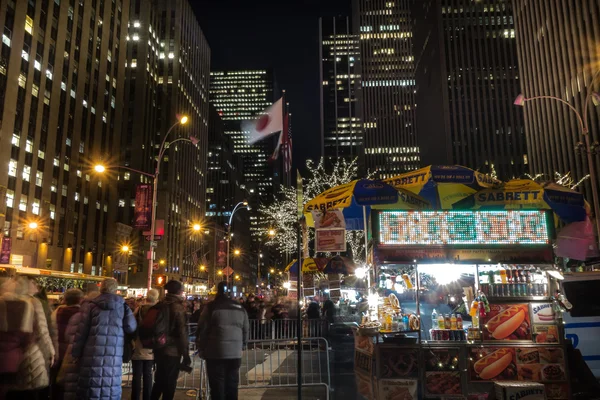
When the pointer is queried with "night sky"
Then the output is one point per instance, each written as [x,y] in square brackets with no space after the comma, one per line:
[282,35]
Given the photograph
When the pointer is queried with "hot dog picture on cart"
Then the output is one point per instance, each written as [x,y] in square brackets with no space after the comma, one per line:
[507,322]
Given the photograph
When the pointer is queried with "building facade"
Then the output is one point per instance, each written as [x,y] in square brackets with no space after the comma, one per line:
[62,69]
[341,127]
[467,77]
[559,56]
[240,95]
[224,189]
[386,98]
[167,76]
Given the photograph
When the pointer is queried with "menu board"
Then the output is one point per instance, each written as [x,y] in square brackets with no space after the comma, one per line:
[364,385]
[507,322]
[542,313]
[394,362]
[540,364]
[513,227]
[442,376]
[397,389]
[545,334]
[537,364]
[495,363]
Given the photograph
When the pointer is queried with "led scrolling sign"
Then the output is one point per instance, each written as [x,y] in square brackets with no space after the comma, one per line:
[509,227]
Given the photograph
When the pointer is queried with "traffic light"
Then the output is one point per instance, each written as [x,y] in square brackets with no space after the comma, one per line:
[160,280]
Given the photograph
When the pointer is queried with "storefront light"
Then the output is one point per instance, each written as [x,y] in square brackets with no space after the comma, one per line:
[445,274]
[360,272]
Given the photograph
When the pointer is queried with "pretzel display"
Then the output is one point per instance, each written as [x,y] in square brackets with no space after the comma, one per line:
[493,364]
[506,322]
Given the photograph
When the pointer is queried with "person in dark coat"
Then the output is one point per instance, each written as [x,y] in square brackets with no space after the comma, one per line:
[222,334]
[329,310]
[60,321]
[313,312]
[98,345]
[169,358]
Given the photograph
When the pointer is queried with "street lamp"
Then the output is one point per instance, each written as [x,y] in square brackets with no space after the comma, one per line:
[236,252]
[589,148]
[33,225]
[181,120]
[197,227]
[240,205]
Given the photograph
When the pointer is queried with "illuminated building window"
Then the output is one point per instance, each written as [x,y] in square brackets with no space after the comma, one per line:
[28,25]
[26,173]
[10,198]
[23,203]
[35,207]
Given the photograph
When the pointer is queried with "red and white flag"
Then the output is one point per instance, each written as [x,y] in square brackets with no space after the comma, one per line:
[284,145]
[268,123]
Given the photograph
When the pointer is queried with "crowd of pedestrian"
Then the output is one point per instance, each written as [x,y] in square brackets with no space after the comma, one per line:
[77,349]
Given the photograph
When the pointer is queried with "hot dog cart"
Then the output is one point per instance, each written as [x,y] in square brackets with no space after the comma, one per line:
[464,299]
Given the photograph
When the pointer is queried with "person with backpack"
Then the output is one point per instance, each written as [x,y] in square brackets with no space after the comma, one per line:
[222,334]
[99,342]
[164,330]
[142,360]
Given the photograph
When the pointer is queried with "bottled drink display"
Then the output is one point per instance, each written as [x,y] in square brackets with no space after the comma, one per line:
[513,281]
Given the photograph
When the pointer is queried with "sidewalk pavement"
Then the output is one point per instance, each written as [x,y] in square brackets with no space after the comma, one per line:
[311,393]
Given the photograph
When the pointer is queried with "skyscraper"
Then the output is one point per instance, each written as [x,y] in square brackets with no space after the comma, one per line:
[341,127]
[559,55]
[224,189]
[168,72]
[386,98]
[61,84]
[240,95]
[467,77]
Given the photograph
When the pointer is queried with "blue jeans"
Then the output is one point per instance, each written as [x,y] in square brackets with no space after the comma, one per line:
[142,371]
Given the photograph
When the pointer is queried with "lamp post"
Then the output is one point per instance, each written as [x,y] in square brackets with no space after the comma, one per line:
[240,205]
[163,147]
[588,147]
[271,234]
[125,249]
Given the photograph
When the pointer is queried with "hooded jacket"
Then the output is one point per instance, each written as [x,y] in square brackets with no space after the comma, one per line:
[223,330]
[33,370]
[99,344]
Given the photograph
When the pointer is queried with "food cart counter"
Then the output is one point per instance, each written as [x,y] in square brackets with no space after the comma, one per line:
[485,316]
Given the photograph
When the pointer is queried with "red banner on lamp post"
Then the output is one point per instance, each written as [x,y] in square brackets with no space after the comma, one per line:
[143,207]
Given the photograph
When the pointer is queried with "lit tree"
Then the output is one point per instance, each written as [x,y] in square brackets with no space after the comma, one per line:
[561,179]
[282,213]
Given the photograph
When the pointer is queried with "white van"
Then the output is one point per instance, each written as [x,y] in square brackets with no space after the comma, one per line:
[582,323]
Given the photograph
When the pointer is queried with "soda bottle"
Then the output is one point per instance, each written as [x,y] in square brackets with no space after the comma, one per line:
[459,322]
[492,288]
[434,320]
[453,322]
[474,308]
[441,322]
[447,322]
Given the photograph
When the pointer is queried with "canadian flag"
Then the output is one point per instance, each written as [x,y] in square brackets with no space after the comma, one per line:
[268,123]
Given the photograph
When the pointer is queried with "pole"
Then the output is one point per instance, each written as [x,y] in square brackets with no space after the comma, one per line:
[299,316]
[594,183]
[153,226]
[228,240]
[366,247]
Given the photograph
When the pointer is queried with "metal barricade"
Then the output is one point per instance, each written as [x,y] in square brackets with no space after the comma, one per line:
[195,383]
[287,329]
[273,364]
